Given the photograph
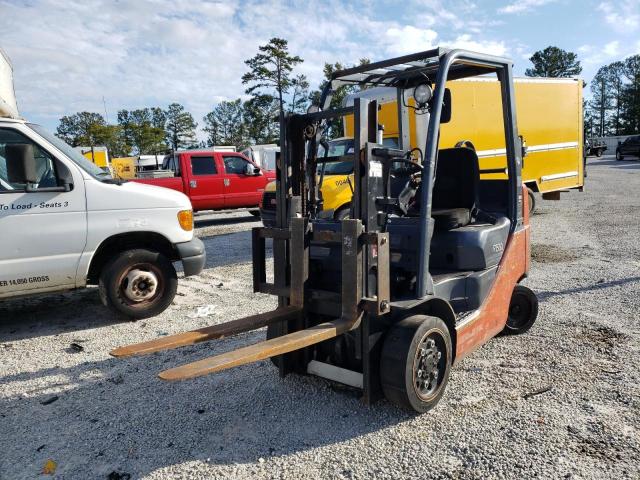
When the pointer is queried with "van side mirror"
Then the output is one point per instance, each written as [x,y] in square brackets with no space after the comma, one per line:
[445,114]
[21,163]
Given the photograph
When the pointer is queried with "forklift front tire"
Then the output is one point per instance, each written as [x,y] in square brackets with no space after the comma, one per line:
[415,362]
[138,283]
[523,311]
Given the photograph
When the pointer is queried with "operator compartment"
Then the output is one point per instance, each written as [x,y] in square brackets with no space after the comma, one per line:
[469,226]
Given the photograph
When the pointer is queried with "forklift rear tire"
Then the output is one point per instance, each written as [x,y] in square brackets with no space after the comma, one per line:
[523,311]
[415,362]
[138,283]
[532,201]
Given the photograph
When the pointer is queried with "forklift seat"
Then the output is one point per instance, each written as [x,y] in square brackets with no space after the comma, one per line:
[455,191]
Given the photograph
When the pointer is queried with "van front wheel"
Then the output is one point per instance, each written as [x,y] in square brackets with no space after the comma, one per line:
[138,283]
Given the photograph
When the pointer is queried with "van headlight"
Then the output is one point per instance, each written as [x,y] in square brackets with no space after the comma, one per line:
[185,219]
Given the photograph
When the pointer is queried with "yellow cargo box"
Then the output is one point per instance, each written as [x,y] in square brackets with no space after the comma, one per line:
[97,155]
[124,167]
[549,117]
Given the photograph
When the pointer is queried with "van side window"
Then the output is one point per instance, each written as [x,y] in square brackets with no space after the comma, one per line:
[203,166]
[235,164]
[45,165]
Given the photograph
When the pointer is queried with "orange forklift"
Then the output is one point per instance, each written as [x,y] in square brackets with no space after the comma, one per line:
[425,269]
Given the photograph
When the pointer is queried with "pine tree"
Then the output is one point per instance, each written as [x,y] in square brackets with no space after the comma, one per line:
[271,68]
[554,62]
[180,128]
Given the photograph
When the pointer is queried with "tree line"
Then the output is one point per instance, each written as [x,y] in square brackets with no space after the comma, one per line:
[272,88]
[615,106]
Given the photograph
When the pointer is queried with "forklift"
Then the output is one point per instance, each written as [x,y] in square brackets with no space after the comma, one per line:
[425,269]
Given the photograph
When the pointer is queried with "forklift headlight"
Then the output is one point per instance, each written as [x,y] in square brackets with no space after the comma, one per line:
[422,94]
[185,219]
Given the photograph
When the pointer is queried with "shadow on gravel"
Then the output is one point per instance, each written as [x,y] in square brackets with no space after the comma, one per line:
[546,253]
[115,415]
[633,164]
[45,315]
[542,296]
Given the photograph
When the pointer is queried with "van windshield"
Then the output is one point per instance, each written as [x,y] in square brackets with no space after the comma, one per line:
[72,153]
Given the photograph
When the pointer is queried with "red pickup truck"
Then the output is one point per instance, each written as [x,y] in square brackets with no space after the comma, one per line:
[214,180]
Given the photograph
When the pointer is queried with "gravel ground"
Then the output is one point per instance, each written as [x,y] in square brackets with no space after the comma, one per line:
[98,417]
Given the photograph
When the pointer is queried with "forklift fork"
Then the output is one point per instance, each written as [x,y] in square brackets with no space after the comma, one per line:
[298,235]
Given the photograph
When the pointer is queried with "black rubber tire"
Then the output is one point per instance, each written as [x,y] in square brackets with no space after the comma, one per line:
[619,156]
[532,201]
[342,213]
[255,213]
[111,281]
[398,357]
[523,311]
[598,153]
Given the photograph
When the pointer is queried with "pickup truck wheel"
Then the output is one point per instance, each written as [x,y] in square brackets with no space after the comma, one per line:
[619,156]
[415,362]
[138,283]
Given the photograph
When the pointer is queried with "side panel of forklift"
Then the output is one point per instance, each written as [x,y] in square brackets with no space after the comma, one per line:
[424,271]
[554,147]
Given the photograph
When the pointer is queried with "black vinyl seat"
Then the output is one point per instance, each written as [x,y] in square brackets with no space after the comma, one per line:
[455,191]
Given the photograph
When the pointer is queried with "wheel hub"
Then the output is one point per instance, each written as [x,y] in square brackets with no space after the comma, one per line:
[426,367]
[140,285]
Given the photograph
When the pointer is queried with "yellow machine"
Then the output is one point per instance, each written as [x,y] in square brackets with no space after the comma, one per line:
[97,155]
[124,167]
[549,119]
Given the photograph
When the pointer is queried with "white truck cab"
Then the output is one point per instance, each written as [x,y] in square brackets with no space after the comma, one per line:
[66,224]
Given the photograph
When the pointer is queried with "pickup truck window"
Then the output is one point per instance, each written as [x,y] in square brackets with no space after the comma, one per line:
[172,162]
[234,164]
[45,165]
[203,166]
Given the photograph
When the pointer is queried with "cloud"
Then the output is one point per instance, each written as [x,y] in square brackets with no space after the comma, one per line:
[520,6]
[408,39]
[623,15]
[611,49]
[466,42]
[597,55]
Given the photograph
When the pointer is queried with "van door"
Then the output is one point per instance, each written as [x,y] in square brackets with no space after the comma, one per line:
[205,186]
[241,190]
[42,234]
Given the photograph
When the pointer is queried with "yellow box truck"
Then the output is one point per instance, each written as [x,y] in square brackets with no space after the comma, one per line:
[549,119]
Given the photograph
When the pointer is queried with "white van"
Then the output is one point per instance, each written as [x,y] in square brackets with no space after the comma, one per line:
[66,224]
